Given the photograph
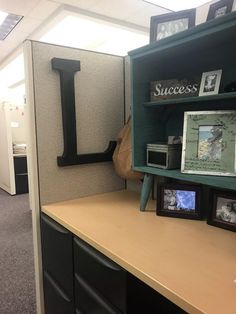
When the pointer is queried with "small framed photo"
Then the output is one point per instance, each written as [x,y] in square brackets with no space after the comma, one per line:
[209,143]
[219,9]
[179,200]
[165,25]
[222,212]
[210,83]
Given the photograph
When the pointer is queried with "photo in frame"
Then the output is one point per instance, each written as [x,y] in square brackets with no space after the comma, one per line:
[209,143]
[179,200]
[210,83]
[165,25]
[222,211]
[219,9]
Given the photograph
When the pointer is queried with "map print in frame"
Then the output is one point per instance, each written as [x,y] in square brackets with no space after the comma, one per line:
[209,145]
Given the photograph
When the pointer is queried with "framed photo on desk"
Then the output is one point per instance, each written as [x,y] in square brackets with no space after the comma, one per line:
[179,200]
[222,212]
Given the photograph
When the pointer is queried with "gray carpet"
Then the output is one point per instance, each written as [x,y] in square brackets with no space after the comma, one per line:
[17,285]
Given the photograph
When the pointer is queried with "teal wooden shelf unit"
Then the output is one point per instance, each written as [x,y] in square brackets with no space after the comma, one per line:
[206,47]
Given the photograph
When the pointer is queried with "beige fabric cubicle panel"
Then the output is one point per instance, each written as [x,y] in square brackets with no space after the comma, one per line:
[99,101]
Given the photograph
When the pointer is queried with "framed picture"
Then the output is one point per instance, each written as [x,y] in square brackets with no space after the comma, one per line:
[219,8]
[179,200]
[210,83]
[209,143]
[222,212]
[165,25]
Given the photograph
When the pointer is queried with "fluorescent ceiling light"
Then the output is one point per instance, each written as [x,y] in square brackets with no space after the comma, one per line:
[7,23]
[178,5]
[3,15]
[92,34]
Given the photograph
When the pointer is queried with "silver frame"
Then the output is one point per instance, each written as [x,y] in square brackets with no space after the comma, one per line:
[157,165]
[186,114]
[217,86]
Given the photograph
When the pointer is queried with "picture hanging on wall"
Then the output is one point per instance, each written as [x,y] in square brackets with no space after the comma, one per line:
[219,9]
[209,143]
[222,212]
[179,200]
[165,25]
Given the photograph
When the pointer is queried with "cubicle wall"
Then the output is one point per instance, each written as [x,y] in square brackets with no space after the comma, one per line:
[6,159]
[12,131]
[100,114]
[99,102]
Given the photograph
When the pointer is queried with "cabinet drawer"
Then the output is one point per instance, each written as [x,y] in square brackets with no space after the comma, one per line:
[21,181]
[89,301]
[102,274]
[55,299]
[20,164]
[57,253]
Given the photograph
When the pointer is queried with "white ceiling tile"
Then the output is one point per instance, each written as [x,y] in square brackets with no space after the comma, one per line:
[143,16]
[43,9]
[119,9]
[26,25]
[19,7]
[82,4]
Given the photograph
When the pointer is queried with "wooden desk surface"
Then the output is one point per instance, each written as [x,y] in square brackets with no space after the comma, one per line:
[189,262]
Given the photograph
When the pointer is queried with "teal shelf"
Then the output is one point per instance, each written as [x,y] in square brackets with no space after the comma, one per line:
[214,181]
[212,98]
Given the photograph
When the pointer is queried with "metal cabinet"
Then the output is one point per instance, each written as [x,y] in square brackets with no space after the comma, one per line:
[57,256]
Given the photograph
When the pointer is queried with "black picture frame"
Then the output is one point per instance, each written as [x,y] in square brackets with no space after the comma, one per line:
[219,8]
[170,197]
[171,23]
[222,209]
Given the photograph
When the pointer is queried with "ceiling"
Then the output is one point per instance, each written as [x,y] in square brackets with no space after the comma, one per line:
[37,13]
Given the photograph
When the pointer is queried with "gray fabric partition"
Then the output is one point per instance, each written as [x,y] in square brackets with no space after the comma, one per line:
[99,98]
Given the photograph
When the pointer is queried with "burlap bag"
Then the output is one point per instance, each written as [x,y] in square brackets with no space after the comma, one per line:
[122,156]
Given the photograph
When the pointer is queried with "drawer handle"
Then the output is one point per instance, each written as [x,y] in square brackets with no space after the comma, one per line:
[95,295]
[54,225]
[56,287]
[97,255]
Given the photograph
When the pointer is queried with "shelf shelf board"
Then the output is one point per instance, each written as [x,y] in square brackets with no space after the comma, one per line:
[165,102]
[214,181]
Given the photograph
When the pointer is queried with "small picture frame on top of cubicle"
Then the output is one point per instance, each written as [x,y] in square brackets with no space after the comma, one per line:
[165,25]
[219,9]
[179,200]
[222,209]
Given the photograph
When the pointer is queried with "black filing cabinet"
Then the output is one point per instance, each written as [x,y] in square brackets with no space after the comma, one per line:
[57,255]
[21,174]
[80,279]
[100,284]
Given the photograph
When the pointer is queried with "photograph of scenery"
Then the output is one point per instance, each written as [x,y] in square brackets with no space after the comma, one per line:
[179,200]
[226,210]
[210,142]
